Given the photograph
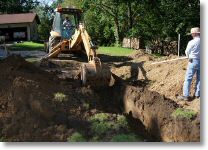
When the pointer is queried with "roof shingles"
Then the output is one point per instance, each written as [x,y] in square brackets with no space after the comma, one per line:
[17,18]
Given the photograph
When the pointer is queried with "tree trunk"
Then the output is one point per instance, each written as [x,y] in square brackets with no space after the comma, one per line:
[130,19]
[116,32]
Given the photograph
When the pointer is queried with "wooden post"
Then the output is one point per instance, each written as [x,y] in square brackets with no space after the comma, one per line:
[179,39]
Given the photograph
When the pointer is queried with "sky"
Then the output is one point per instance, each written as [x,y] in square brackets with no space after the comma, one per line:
[47,1]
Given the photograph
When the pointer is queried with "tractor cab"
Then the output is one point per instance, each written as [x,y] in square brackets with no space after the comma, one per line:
[65,21]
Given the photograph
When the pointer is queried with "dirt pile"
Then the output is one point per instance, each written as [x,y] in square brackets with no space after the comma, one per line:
[26,106]
[36,105]
[140,54]
[163,83]
[166,78]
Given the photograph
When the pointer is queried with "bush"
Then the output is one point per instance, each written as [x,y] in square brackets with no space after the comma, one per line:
[184,113]
[1,139]
[99,117]
[125,138]
[60,97]
[111,127]
[100,128]
[122,121]
[76,137]
[100,123]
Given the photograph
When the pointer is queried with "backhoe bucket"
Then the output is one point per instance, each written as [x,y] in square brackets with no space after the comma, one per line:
[95,75]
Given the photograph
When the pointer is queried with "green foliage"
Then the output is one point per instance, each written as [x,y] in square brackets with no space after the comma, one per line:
[55,4]
[100,117]
[121,121]
[45,13]
[184,113]
[100,123]
[86,105]
[26,46]
[100,128]
[109,21]
[72,3]
[76,137]
[1,139]
[99,27]
[60,97]
[95,139]
[103,123]
[17,6]
[130,18]
[108,9]
[157,55]
[44,28]
[115,51]
[126,138]
[111,127]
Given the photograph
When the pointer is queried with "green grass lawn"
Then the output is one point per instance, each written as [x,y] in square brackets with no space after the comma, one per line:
[115,51]
[26,46]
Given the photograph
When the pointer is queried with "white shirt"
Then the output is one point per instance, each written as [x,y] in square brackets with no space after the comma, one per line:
[67,23]
[193,48]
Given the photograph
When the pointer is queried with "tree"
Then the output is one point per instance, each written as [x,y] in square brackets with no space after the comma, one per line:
[72,3]
[110,10]
[157,20]
[45,13]
[17,6]
[109,21]
[99,27]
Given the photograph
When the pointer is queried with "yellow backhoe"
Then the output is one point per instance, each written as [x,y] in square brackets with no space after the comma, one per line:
[69,35]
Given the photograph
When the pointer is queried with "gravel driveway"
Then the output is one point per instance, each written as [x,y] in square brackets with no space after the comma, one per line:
[37,53]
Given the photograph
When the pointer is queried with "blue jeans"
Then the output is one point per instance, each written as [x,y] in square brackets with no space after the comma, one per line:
[192,68]
[67,33]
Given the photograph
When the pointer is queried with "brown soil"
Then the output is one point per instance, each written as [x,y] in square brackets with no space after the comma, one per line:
[26,106]
[29,111]
[155,112]
[165,78]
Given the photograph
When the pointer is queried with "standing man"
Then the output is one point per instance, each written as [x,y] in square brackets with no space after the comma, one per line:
[193,54]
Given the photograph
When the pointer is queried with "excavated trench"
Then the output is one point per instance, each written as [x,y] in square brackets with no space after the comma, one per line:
[155,112]
[150,112]
[28,114]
